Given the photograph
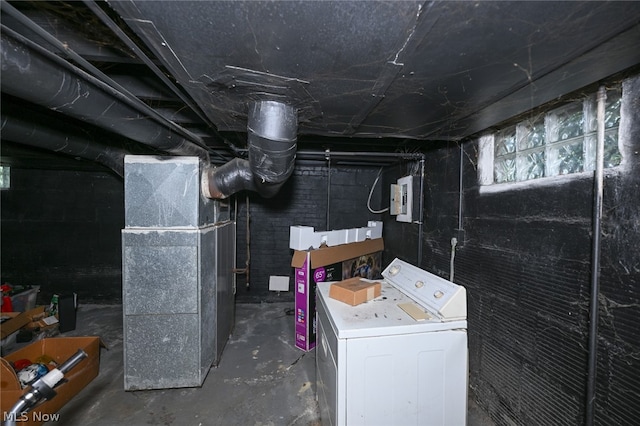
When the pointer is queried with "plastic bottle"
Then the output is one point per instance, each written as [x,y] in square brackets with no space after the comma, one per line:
[7,304]
[53,306]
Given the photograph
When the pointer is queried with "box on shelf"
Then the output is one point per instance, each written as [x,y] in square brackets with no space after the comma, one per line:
[354,291]
[362,259]
[59,349]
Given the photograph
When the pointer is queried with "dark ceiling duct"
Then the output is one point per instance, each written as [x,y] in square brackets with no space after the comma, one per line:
[26,130]
[36,75]
[272,134]
[31,73]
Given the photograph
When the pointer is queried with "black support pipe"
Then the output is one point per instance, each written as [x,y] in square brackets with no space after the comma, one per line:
[421,209]
[598,189]
[272,135]
[27,132]
[34,74]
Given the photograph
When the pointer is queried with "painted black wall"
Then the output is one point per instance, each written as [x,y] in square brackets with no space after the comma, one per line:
[526,264]
[61,231]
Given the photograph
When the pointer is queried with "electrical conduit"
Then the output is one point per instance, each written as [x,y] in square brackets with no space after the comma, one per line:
[598,186]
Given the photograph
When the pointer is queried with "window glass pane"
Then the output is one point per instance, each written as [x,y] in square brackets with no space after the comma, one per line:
[531,165]
[532,134]
[570,158]
[505,170]
[612,110]
[569,122]
[559,142]
[612,156]
[506,142]
[5,177]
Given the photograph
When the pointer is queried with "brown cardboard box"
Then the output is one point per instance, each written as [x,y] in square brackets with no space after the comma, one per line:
[19,320]
[354,291]
[324,264]
[42,320]
[60,349]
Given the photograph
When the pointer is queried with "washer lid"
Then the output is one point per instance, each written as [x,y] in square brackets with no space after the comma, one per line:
[442,298]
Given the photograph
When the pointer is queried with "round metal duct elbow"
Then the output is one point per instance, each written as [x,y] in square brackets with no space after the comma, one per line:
[272,131]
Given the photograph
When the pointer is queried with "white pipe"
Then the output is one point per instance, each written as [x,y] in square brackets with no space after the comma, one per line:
[454,243]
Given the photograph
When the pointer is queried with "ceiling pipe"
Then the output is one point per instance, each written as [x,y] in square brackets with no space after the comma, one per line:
[140,54]
[272,138]
[131,99]
[34,74]
[18,129]
[390,156]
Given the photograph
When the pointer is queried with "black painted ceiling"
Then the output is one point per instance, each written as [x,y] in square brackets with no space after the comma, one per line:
[364,75]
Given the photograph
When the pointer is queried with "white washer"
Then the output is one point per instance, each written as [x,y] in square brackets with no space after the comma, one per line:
[377,365]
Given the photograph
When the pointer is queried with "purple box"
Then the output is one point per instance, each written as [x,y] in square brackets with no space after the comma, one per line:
[335,263]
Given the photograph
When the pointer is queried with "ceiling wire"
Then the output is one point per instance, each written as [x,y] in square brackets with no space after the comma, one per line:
[371,193]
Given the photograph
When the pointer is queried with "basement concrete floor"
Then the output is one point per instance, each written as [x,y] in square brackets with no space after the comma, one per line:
[262,379]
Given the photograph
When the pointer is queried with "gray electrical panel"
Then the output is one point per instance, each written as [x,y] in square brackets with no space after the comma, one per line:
[178,279]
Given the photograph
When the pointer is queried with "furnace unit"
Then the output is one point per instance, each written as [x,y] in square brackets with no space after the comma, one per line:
[178,257]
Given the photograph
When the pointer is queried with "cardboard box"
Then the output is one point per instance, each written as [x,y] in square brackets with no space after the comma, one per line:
[19,320]
[60,349]
[35,324]
[329,264]
[354,291]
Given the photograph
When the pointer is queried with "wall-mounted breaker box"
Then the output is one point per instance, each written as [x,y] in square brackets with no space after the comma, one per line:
[405,199]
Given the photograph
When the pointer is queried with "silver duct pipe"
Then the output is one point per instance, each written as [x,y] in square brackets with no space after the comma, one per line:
[272,135]
[18,129]
[34,74]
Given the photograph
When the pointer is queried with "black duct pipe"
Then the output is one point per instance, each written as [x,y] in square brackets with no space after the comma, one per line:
[34,74]
[272,135]
[25,132]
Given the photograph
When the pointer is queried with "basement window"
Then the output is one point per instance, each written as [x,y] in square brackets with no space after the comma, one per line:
[5,177]
[556,142]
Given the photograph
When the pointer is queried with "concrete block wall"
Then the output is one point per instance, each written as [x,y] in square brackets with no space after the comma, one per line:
[59,231]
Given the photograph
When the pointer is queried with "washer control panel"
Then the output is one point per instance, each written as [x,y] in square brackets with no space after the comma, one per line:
[442,298]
